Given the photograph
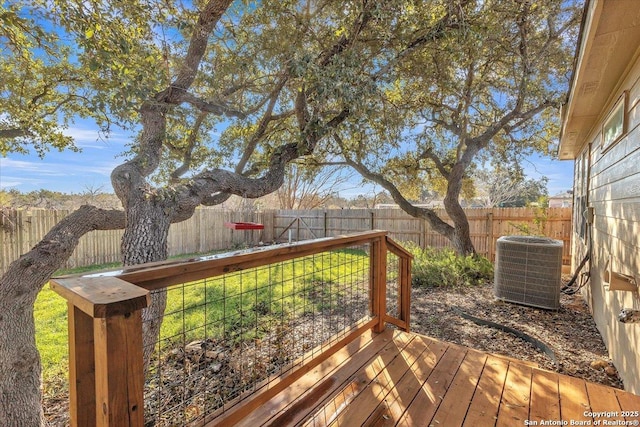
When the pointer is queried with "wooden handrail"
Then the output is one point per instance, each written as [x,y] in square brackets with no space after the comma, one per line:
[398,250]
[106,370]
[162,274]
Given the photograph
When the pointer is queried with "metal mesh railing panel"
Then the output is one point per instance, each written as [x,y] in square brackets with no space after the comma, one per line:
[226,336]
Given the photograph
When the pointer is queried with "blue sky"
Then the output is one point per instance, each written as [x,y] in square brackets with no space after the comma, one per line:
[67,171]
[560,173]
[71,172]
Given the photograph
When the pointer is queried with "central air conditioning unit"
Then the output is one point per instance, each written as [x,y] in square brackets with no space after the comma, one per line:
[529,271]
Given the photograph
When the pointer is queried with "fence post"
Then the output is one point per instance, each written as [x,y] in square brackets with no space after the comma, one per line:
[490,249]
[106,369]
[324,223]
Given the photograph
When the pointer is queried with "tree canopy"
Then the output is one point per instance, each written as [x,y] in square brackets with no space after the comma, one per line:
[488,91]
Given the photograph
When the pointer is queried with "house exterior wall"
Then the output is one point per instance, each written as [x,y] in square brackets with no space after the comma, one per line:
[608,180]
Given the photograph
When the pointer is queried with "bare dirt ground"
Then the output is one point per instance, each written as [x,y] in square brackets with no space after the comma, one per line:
[570,331]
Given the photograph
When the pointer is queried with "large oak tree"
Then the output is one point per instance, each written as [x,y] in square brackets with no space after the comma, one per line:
[490,91]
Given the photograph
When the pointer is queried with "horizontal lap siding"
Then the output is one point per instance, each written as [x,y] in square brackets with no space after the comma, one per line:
[614,194]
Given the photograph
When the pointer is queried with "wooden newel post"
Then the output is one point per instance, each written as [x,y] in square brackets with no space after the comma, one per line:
[106,369]
[378,280]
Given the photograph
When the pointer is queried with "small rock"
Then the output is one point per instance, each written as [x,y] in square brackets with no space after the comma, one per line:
[194,346]
[599,365]
[175,354]
[216,367]
[611,371]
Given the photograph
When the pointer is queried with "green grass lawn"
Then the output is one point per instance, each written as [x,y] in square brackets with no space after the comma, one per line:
[235,306]
[243,305]
[50,312]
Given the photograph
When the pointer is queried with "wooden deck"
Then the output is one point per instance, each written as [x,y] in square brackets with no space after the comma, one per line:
[399,378]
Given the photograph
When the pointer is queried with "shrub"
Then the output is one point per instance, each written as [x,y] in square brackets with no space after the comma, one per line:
[444,268]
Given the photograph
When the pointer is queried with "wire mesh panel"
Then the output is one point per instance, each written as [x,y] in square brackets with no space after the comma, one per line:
[228,335]
[393,285]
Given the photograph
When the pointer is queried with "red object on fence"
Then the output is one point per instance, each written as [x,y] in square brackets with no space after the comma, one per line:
[244,225]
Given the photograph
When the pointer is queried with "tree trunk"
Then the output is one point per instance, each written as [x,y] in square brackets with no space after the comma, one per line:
[461,236]
[145,240]
[20,370]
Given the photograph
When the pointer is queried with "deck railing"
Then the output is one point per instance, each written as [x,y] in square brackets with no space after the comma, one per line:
[235,324]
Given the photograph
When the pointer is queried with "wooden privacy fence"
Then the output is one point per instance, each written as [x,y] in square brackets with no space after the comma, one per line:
[205,231]
[486,225]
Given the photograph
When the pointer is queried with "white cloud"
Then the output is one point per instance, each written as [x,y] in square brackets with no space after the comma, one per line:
[33,169]
[39,168]
[103,168]
[17,181]
[92,138]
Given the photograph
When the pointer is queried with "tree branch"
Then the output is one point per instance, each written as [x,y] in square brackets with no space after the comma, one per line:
[130,175]
[188,151]
[483,139]
[56,247]
[207,19]
[218,108]
[436,222]
[453,19]
[267,117]
[14,133]
[429,154]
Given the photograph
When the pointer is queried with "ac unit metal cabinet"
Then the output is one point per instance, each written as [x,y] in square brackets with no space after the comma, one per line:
[529,271]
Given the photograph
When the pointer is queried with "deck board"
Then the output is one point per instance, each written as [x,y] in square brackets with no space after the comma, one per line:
[381,376]
[628,405]
[516,396]
[420,357]
[332,374]
[399,378]
[603,399]
[545,396]
[453,408]
[426,403]
[483,407]
[574,400]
